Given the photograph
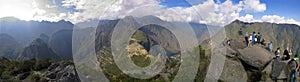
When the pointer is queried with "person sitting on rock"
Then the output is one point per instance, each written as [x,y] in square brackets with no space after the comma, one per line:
[277,52]
[262,42]
[228,42]
[293,68]
[286,55]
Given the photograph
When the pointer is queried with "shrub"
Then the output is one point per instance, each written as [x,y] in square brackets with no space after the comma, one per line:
[35,77]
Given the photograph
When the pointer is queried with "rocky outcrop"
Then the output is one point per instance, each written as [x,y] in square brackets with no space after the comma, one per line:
[279,70]
[62,72]
[282,35]
[37,70]
[233,71]
[276,70]
[255,56]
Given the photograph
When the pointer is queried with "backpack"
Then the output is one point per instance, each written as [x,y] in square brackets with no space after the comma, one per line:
[297,65]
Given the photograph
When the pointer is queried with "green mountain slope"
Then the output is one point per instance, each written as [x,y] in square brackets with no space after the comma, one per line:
[9,47]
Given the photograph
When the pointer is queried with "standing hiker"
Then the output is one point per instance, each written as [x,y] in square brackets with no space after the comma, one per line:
[246,39]
[294,70]
[270,46]
[253,38]
[240,32]
[250,39]
[259,38]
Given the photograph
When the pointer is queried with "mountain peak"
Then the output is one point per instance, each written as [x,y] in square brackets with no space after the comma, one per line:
[237,21]
[9,19]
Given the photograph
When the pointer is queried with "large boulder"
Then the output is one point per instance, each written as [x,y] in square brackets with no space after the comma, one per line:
[280,70]
[230,52]
[255,56]
[267,71]
[237,44]
[233,71]
[275,70]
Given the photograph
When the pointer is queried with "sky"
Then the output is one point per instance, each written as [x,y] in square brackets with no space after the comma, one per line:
[212,12]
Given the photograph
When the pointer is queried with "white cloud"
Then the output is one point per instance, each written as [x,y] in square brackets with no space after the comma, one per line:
[278,19]
[105,9]
[29,10]
[208,12]
[218,13]
[248,18]
[254,6]
[16,7]
[269,18]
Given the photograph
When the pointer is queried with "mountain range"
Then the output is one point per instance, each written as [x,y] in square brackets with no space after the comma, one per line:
[23,40]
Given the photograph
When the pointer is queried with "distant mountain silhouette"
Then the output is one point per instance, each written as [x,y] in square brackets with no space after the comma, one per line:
[58,35]
[38,49]
[26,31]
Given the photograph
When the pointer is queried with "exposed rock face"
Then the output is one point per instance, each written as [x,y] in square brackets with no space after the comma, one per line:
[237,44]
[62,72]
[233,71]
[230,52]
[267,71]
[31,71]
[255,56]
[279,70]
